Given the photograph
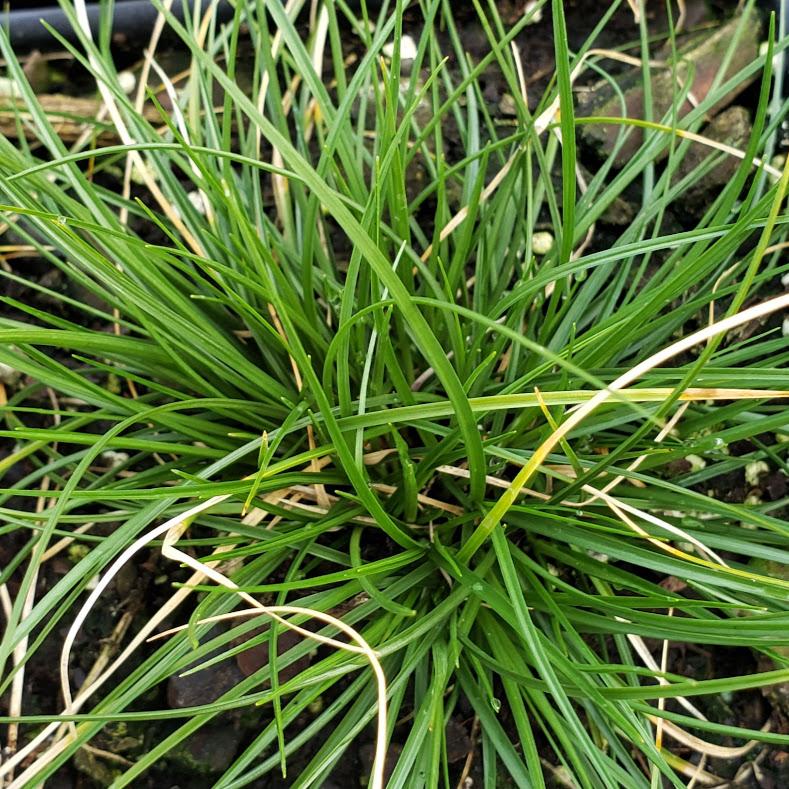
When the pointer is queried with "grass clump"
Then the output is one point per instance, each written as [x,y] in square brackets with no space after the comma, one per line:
[313,355]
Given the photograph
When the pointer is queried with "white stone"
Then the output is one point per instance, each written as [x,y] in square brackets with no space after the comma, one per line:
[542,243]
[114,459]
[9,87]
[408,49]
[127,81]
[696,463]
[529,7]
[755,470]
[198,201]
[507,105]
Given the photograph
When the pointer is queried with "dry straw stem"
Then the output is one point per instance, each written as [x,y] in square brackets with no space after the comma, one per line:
[661,704]
[636,641]
[646,656]
[708,748]
[667,428]
[172,530]
[127,139]
[696,772]
[729,271]
[280,187]
[276,44]
[139,100]
[499,510]
[89,688]
[20,650]
[97,679]
[682,133]
[175,526]
[637,7]
[548,117]
[73,706]
[620,508]
[18,683]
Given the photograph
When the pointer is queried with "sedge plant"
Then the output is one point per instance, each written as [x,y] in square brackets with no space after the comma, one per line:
[305,347]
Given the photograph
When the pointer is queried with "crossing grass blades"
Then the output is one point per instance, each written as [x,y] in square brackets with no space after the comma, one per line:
[354,405]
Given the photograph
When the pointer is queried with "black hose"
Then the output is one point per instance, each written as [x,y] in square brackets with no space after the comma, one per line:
[134,19]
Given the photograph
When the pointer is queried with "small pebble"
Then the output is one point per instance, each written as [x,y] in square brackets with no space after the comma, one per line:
[696,463]
[198,201]
[530,7]
[408,49]
[8,88]
[542,243]
[507,105]
[753,471]
[114,459]
[127,81]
